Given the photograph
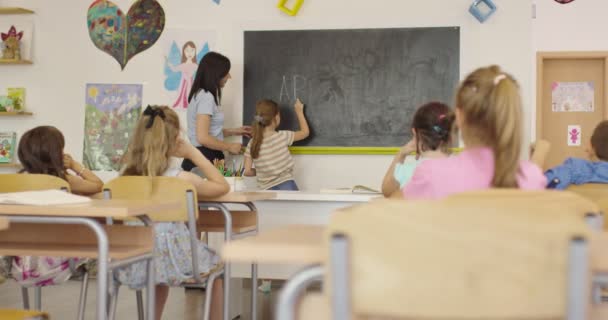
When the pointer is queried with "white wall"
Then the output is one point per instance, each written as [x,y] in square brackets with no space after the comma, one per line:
[65,59]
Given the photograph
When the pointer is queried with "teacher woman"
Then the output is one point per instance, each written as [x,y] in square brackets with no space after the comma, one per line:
[205,117]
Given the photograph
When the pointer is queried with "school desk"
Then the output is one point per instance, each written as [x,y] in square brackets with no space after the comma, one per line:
[293,244]
[43,230]
[296,207]
[3,223]
[234,224]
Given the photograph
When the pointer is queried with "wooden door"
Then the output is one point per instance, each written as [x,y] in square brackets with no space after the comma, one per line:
[557,71]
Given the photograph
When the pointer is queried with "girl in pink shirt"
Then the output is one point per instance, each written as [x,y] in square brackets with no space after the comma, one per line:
[489,115]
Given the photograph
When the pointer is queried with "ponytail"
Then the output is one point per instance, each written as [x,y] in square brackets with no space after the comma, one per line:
[492,114]
[150,147]
[265,112]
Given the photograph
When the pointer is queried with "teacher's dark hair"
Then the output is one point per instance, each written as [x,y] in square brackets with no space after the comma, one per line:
[212,69]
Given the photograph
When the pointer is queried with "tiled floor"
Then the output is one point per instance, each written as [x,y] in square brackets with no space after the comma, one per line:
[62,301]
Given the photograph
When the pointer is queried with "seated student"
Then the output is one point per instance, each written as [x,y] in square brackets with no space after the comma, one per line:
[489,116]
[431,130]
[155,140]
[41,151]
[581,171]
[269,148]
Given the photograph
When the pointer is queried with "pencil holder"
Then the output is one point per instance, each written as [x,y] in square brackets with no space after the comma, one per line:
[236,183]
[294,10]
[477,12]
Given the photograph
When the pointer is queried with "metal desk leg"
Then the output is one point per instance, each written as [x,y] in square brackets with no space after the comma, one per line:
[151,289]
[102,252]
[293,289]
[227,237]
[254,272]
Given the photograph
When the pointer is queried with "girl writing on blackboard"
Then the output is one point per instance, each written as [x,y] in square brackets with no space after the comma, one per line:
[269,148]
[489,117]
[431,130]
[205,117]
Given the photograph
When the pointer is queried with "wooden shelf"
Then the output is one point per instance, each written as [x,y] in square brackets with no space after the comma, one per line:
[4,61]
[10,165]
[16,114]
[15,10]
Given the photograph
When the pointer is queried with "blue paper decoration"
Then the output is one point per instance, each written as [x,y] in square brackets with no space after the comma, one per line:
[478,14]
[217,1]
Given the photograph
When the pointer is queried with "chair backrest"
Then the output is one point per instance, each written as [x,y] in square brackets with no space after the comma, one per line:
[540,151]
[458,259]
[596,192]
[156,188]
[31,182]
[546,201]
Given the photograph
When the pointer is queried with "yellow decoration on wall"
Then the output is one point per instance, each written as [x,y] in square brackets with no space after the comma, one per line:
[294,10]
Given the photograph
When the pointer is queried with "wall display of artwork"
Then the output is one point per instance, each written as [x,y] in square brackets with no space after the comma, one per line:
[124,36]
[111,113]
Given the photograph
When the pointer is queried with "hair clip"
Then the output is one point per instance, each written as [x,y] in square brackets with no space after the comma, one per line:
[499,78]
[259,119]
[442,116]
[437,129]
[153,112]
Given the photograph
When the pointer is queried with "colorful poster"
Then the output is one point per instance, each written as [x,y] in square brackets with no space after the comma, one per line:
[574,136]
[572,96]
[183,51]
[111,113]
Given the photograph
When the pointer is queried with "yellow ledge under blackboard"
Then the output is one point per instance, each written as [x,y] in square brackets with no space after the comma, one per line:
[11,165]
[352,150]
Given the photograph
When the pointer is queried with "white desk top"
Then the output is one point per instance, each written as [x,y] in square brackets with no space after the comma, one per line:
[321,197]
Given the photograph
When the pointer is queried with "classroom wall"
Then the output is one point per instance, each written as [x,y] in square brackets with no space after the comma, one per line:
[577,26]
[65,59]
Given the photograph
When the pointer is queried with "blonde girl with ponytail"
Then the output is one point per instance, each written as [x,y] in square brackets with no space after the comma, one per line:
[269,148]
[156,139]
[489,116]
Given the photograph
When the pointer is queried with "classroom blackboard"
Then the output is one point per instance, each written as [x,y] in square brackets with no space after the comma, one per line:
[360,87]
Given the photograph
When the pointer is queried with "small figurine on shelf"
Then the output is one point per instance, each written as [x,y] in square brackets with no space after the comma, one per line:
[12,44]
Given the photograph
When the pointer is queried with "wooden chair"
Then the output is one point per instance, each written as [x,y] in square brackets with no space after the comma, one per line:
[539,152]
[9,314]
[126,244]
[167,188]
[35,182]
[596,192]
[545,201]
[452,260]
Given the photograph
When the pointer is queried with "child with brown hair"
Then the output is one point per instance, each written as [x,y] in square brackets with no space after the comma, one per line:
[489,117]
[269,148]
[41,152]
[156,139]
[431,130]
[594,169]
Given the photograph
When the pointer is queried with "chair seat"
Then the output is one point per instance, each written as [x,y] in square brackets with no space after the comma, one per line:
[66,250]
[9,314]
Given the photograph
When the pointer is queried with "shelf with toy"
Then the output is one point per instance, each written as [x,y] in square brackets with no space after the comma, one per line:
[15,10]
[8,61]
[10,165]
[15,114]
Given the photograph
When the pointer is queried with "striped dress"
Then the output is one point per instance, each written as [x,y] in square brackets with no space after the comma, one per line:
[274,165]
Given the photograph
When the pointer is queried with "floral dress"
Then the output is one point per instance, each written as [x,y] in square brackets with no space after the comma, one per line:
[172,255]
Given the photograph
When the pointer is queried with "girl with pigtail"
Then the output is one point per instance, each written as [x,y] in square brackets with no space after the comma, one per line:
[269,148]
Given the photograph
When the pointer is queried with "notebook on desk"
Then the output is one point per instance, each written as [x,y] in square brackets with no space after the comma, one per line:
[358,189]
[42,198]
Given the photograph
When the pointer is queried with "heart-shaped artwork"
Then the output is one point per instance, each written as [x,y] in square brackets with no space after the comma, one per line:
[563,1]
[122,36]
